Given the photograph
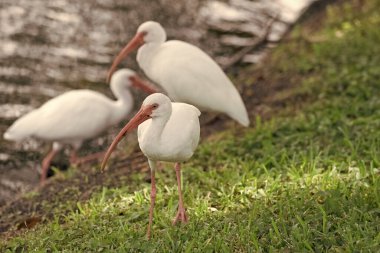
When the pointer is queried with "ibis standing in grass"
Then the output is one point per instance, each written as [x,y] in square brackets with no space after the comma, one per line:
[166,132]
[75,116]
[185,72]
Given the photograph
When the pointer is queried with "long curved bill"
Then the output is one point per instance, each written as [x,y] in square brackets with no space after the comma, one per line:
[137,82]
[142,115]
[137,41]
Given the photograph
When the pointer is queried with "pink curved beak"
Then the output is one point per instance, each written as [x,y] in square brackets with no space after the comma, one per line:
[143,85]
[137,41]
[142,115]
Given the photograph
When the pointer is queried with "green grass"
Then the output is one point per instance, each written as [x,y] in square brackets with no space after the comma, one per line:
[306,182]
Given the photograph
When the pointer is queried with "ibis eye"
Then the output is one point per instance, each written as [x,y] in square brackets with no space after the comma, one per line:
[155,106]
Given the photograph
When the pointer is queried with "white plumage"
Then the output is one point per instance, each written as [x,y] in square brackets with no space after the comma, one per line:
[166,132]
[177,140]
[185,72]
[75,116]
[66,118]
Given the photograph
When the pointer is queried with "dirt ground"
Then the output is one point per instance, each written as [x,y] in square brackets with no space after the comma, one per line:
[264,93]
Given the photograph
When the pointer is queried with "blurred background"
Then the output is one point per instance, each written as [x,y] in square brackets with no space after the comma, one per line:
[49,47]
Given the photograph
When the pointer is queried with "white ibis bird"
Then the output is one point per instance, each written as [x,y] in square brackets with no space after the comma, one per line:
[166,132]
[76,116]
[186,73]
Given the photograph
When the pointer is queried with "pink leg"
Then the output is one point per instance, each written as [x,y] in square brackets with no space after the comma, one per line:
[81,160]
[152,201]
[73,157]
[45,165]
[181,214]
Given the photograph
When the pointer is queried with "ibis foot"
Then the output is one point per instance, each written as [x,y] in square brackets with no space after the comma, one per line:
[181,216]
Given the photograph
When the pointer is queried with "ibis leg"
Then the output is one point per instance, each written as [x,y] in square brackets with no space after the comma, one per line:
[152,201]
[46,164]
[73,157]
[88,158]
[181,214]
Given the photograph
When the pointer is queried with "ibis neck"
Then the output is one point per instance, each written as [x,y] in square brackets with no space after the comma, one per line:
[122,106]
[146,53]
[154,132]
